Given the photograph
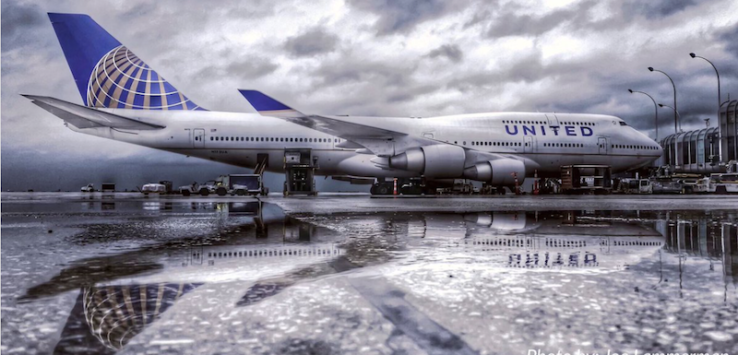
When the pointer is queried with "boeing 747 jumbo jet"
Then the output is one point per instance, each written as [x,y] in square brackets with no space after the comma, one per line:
[126,100]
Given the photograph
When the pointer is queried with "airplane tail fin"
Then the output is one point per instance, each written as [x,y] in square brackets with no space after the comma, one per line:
[268,106]
[107,73]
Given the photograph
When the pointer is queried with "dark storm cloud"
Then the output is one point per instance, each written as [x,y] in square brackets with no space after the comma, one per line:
[313,42]
[375,84]
[403,15]
[577,17]
[19,23]
[655,8]
[730,38]
[450,51]
[252,68]
[241,69]
[352,69]
[512,25]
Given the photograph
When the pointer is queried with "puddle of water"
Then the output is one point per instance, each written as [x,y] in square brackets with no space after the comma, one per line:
[216,277]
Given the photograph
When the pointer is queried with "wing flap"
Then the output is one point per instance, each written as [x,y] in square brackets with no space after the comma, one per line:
[85,117]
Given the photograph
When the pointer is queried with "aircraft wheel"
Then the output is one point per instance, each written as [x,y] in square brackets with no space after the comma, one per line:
[383,190]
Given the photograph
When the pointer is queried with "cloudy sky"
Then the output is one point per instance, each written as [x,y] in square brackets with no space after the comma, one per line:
[363,57]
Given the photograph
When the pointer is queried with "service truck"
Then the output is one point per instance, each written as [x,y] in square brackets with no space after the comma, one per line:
[240,184]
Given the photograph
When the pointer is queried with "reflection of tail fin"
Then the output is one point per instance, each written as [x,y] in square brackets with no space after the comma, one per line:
[109,75]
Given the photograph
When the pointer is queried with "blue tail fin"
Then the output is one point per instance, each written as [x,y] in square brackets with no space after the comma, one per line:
[109,75]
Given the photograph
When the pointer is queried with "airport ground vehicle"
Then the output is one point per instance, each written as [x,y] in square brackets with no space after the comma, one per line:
[723,183]
[154,188]
[187,190]
[207,188]
[162,187]
[459,187]
[594,179]
[666,185]
[635,186]
[677,183]
[88,188]
[243,184]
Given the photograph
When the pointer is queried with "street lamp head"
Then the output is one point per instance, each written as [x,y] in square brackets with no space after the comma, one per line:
[692,55]
[630,91]
[650,68]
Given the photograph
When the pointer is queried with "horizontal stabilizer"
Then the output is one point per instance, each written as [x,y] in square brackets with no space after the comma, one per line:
[85,117]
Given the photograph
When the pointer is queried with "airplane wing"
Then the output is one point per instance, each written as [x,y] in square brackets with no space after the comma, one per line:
[344,129]
[375,140]
[86,117]
[332,125]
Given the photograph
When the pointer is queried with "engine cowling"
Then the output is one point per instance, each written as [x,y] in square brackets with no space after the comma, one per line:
[435,161]
[498,172]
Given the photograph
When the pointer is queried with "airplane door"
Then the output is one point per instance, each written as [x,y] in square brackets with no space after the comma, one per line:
[198,138]
[529,144]
[552,119]
[602,145]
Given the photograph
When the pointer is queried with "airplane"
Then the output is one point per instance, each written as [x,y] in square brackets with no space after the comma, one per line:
[126,100]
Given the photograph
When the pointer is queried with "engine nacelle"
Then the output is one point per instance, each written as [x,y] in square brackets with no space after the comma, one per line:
[497,172]
[435,161]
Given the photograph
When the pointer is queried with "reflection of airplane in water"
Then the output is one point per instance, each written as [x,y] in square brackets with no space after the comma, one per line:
[113,306]
[258,244]
[525,239]
[105,318]
[563,239]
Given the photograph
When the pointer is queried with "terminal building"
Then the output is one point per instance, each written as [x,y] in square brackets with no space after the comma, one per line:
[707,150]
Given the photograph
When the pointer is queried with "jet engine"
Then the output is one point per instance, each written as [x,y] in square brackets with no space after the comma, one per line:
[498,172]
[435,161]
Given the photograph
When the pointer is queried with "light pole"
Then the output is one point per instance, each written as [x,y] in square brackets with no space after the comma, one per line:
[675,150]
[716,73]
[655,109]
[676,118]
[676,114]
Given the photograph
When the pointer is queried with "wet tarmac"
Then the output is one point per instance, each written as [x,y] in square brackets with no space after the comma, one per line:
[339,274]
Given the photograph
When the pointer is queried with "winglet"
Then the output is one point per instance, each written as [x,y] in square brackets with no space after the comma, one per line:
[268,106]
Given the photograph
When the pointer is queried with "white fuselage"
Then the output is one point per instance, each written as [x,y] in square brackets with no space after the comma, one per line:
[545,142]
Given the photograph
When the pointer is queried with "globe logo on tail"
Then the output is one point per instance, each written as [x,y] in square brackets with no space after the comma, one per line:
[122,80]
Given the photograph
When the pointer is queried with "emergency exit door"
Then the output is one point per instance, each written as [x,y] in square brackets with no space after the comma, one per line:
[198,138]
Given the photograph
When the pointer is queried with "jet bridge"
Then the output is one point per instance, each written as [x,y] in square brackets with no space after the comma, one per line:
[299,168]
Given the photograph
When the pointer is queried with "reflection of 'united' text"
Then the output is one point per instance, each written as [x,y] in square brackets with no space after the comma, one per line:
[532,260]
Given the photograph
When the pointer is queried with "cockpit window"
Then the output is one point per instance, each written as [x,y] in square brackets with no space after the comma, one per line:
[623,123]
